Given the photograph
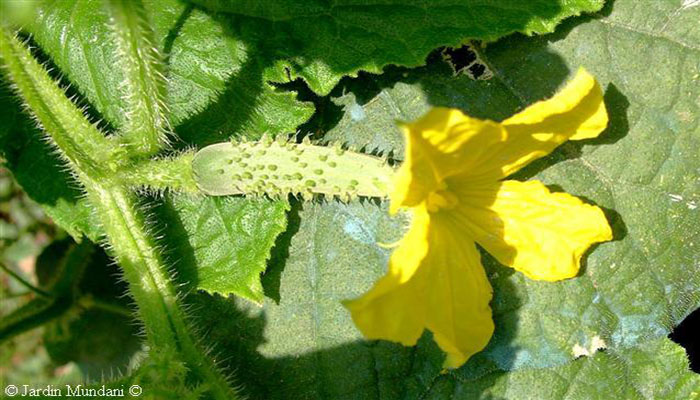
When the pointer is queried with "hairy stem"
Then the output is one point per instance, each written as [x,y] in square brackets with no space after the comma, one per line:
[159,306]
[172,173]
[79,141]
[146,123]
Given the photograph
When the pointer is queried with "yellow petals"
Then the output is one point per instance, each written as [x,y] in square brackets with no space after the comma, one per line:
[524,226]
[451,181]
[447,292]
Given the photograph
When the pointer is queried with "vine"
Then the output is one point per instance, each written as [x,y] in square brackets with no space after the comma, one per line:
[112,169]
[93,158]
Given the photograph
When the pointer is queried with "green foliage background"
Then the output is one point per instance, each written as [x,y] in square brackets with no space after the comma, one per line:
[344,73]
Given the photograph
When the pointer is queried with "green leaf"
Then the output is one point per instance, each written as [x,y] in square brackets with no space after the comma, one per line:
[323,41]
[221,244]
[655,369]
[306,347]
[215,87]
[642,170]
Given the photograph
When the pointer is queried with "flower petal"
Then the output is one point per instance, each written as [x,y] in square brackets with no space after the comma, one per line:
[576,112]
[391,310]
[458,300]
[523,225]
[447,292]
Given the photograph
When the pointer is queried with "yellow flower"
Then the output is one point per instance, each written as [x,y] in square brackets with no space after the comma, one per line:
[451,181]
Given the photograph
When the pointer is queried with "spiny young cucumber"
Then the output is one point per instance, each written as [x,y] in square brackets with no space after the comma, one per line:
[277,168]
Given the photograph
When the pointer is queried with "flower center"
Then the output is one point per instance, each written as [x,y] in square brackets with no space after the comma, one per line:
[441,199]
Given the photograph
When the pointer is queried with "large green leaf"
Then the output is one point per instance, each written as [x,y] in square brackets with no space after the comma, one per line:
[322,41]
[302,343]
[642,170]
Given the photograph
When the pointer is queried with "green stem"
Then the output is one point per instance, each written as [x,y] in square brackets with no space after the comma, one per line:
[89,301]
[62,295]
[159,307]
[35,313]
[146,123]
[172,173]
[16,295]
[24,282]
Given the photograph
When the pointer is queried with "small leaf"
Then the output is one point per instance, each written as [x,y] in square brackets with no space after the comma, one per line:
[221,244]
